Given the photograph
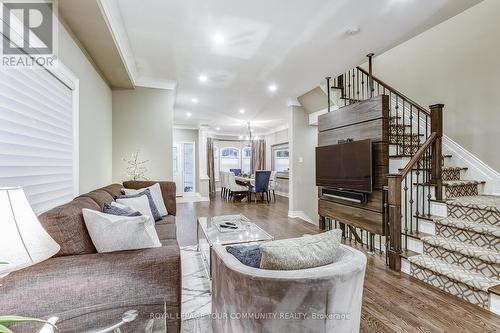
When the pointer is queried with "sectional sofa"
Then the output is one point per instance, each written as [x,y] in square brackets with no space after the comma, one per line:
[88,290]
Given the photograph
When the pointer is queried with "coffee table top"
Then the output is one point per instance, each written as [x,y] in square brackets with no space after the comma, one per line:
[247,231]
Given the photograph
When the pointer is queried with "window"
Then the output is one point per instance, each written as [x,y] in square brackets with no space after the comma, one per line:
[38,136]
[175,159]
[229,158]
[246,160]
[281,158]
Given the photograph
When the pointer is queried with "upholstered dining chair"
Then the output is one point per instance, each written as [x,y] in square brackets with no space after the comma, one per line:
[261,185]
[237,172]
[222,185]
[272,183]
[234,188]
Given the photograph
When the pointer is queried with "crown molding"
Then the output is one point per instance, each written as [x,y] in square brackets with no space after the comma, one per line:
[111,13]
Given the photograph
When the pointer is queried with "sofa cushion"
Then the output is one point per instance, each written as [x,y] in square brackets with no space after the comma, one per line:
[113,189]
[100,197]
[302,252]
[151,203]
[166,231]
[167,191]
[169,219]
[66,226]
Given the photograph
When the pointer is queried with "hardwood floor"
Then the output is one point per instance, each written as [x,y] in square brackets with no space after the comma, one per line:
[392,302]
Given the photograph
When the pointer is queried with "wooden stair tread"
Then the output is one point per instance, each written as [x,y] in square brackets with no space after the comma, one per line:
[417,235]
[408,253]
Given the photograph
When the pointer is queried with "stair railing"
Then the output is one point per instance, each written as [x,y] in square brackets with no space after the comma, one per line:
[410,124]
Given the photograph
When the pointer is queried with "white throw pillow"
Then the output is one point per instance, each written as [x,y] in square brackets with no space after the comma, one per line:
[111,233]
[155,191]
[140,204]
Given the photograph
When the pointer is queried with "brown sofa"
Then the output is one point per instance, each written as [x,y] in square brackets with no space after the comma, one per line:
[80,285]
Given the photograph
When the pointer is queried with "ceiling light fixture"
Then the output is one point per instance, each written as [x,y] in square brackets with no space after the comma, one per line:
[240,137]
[188,114]
[219,39]
[272,87]
[242,110]
[352,31]
[218,128]
[203,78]
[194,100]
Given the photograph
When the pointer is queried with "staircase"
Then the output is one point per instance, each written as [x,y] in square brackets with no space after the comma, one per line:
[450,231]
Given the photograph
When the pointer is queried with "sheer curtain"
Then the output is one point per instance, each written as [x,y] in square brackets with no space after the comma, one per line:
[210,165]
[258,155]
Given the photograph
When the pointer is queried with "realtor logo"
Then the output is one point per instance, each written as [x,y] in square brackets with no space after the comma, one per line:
[29,31]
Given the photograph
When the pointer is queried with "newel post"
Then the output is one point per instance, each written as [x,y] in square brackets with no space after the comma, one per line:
[394,210]
[437,148]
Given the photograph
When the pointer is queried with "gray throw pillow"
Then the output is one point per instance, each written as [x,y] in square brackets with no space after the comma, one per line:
[113,210]
[248,255]
[154,209]
[301,253]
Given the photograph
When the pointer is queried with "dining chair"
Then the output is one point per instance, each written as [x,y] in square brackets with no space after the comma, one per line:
[272,183]
[261,185]
[221,180]
[237,172]
[234,188]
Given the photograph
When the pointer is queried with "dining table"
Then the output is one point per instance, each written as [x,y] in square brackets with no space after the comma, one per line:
[245,181]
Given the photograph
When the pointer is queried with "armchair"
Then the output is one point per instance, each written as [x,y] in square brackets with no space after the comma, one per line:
[321,299]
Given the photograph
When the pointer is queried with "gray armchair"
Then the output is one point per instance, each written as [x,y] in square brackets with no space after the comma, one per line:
[322,299]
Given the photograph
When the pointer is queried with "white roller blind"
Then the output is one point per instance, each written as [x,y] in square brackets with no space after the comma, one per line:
[36,136]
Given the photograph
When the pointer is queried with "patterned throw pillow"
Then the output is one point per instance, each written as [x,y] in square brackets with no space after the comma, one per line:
[113,210]
[301,253]
[154,209]
[248,254]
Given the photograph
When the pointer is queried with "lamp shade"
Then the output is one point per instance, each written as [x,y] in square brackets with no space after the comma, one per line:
[24,241]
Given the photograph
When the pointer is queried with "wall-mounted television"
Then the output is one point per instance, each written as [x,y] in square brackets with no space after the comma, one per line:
[346,166]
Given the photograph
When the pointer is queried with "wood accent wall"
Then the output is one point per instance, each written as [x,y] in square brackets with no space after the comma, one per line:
[364,120]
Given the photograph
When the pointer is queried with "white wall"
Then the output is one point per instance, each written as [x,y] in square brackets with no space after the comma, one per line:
[303,191]
[190,135]
[455,63]
[143,120]
[95,121]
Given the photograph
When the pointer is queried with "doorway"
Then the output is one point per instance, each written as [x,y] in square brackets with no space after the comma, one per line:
[183,157]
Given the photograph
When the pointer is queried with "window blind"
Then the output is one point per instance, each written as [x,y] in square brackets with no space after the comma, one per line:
[36,136]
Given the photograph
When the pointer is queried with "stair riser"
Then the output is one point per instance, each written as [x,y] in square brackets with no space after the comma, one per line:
[451,174]
[474,215]
[470,237]
[469,263]
[461,191]
[459,289]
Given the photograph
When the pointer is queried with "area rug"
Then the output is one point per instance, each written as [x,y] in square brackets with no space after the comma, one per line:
[196,297]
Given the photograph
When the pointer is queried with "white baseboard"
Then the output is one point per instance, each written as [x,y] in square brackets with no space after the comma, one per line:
[477,169]
[281,194]
[300,214]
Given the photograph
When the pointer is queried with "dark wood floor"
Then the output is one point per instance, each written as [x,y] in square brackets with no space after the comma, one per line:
[392,302]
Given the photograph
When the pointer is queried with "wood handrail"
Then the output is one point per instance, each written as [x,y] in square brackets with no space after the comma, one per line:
[388,87]
[418,155]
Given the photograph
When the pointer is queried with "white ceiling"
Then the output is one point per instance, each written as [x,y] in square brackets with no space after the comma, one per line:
[292,43]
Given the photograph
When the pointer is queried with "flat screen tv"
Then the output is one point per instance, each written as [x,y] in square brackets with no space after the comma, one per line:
[346,166]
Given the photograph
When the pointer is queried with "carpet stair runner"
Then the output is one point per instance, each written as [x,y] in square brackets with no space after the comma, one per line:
[463,257]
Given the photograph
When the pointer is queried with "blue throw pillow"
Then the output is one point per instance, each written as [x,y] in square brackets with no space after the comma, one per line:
[113,210]
[249,255]
[156,214]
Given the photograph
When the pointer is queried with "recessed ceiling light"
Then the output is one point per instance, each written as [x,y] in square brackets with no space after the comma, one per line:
[352,31]
[241,137]
[203,78]
[247,138]
[188,114]
[242,110]
[272,87]
[219,39]
[251,130]
[194,100]
[218,128]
